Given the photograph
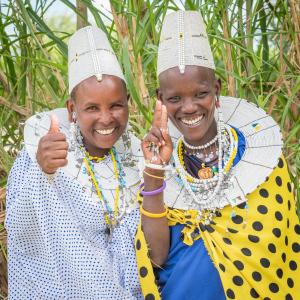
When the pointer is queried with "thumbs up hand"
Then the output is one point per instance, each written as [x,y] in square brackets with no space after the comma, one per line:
[52,149]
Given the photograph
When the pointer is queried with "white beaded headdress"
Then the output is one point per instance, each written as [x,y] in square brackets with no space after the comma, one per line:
[90,53]
[184,42]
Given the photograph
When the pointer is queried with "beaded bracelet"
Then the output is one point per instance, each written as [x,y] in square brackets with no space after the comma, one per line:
[152,193]
[153,215]
[154,176]
[157,167]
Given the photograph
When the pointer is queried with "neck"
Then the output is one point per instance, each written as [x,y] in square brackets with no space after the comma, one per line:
[96,152]
[208,136]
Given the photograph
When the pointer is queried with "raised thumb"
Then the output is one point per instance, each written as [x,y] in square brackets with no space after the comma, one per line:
[54,124]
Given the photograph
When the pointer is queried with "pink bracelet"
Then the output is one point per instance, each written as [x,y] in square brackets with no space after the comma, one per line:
[152,193]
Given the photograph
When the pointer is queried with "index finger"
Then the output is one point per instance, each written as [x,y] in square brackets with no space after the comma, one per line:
[157,115]
[164,118]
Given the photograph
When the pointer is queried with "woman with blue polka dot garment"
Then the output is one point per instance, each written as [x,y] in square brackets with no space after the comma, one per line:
[218,217]
[71,202]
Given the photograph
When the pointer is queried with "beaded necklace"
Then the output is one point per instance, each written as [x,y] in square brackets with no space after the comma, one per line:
[111,215]
[205,191]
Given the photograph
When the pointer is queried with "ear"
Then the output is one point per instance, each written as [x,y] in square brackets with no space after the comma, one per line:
[71,108]
[159,95]
[218,86]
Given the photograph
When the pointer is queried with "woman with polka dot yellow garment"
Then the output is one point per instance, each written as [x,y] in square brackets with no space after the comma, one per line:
[223,225]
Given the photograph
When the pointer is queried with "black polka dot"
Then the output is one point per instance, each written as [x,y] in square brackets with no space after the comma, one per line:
[283,256]
[242,205]
[273,287]
[279,273]
[257,226]
[246,251]
[267,298]
[276,232]
[289,205]
[253,238]
[278,216]
[272,248]
[265,262]
[230,294]
[232,230]
[237,219]
[149,297]
[278,180]
[143,272]
[288,297]
[293,265]
[138,245]
[209,228]
[227,241]
[253,293]
[286,240]
[296,247]
[264,193]
[297,229]
[289,186]
[239,265]
[290,282]
[262,209]
[288,223]
[280,163]
[225,255]
[278,198]
[238,280]
[256,276]
[222,267]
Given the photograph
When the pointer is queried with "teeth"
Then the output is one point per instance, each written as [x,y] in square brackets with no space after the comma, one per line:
[105,131]
[192,122]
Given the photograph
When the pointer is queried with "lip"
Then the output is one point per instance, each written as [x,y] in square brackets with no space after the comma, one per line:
[192,122]
[105,132]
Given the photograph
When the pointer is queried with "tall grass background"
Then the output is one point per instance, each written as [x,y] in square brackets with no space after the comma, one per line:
[256,45]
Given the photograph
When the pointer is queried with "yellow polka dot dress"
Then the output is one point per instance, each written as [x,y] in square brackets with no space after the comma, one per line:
[255,246]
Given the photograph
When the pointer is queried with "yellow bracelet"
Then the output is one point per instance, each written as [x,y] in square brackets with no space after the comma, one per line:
[153,215]
[154,176]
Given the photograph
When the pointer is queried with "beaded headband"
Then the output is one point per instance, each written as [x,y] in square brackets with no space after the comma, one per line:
[183,42]
[90,53]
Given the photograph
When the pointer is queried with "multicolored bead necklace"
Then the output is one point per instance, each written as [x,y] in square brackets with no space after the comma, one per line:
[111,215]
[206,191]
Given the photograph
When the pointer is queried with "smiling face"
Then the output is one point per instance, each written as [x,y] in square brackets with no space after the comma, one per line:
[190,101]
[102,112]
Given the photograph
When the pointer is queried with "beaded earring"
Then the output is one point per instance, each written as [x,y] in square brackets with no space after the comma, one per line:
[217,103]
[76,141]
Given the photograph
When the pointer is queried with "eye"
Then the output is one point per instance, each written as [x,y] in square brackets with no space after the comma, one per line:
[174,99]
[201,95]
[92,108]
[117,105]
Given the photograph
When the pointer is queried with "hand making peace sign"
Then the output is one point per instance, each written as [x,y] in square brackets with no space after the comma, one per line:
[157,144]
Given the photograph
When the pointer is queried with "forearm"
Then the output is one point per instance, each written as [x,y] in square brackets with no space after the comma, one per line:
[156,230]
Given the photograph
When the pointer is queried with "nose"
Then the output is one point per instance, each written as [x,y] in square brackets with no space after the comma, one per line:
[105,118]
[188,106]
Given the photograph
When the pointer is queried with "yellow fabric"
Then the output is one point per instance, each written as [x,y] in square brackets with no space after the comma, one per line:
[146,275]
[254,246]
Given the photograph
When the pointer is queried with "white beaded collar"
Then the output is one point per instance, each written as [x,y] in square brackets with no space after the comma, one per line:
[128,151]
[263,149]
